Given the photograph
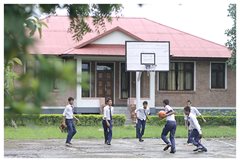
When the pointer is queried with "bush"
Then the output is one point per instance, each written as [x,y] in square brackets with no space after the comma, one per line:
[96,120]
[211,112]
[50,119]
[211,120]
[55,119]
[21,120]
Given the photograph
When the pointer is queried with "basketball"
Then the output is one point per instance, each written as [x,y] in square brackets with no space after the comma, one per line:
[161,114]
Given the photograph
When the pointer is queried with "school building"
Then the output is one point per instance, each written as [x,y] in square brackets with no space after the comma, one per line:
[198,68]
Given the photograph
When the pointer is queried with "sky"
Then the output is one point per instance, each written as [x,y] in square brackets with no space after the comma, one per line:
[203,18]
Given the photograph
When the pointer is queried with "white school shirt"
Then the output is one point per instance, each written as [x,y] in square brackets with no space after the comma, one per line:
[194,123]
[140,113]
[68,112]
[106,112]
[194,111]
[170,117]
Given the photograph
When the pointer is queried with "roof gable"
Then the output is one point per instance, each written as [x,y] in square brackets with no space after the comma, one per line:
[110,34]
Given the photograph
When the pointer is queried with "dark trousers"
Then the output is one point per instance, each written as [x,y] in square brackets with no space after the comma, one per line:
[170,126]
[107,131]
[194,137]
[71,129]
[140,128]
[189,139]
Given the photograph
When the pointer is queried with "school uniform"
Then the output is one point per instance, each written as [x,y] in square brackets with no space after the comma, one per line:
[68,113]
[196,131]
[170,126]
[107,114]
[195,112]
[141,121]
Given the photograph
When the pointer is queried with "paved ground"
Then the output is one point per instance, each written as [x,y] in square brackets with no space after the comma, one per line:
[120,148]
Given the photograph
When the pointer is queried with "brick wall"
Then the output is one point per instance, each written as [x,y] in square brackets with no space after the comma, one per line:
[59,96]
[203,96]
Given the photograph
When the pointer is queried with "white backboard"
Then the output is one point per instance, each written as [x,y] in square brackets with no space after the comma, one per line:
[139,54]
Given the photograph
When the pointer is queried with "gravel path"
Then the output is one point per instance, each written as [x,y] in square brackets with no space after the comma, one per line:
[120,148]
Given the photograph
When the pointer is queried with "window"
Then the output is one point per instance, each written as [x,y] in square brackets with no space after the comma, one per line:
[180,77]
[218,75]
[125,76]
[85,79]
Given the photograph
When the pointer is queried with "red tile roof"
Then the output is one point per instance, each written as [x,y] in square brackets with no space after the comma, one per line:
[57,40]
[99,50]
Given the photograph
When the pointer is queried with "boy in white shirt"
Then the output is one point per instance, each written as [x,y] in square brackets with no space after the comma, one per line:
[141,114]
[68,121]
[170,126]
[195,112]
[107,121]
[196,133]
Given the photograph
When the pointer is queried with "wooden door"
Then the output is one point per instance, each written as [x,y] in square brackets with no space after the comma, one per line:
[105,78]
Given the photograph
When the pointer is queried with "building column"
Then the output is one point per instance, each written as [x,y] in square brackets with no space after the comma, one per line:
[138,89]
[79,80]
[152,89]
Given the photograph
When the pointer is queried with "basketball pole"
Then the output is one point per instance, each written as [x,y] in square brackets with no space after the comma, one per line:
[138,89]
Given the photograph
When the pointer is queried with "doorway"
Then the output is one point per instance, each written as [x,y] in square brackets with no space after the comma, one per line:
[105,78]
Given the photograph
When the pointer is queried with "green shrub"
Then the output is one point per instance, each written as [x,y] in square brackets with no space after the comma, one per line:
[21,120]
[89,120]
[55,119]
[212,112]
[211,120]
[219,120]
[49,119]
[119,120]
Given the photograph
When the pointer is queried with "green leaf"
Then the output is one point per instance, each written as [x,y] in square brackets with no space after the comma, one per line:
[40,32]
[17,60]
[44,24]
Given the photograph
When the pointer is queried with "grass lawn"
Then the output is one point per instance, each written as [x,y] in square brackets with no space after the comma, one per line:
[48,132]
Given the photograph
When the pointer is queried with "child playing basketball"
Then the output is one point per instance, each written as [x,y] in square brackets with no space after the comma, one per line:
[195,112]
[68,121]
[170,126]
[107,121]
[196,133]
[141,113]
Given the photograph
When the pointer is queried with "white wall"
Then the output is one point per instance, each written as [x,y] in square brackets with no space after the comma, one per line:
[115,37]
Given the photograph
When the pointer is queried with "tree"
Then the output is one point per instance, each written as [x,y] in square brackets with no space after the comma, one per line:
[10,76]
[19,25]
[231,43]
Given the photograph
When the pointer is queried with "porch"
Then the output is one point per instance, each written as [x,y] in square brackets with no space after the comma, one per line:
[107,77]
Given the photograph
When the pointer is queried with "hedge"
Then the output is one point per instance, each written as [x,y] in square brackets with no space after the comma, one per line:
[211,120]
[119,120]
[211,112]
[55,119]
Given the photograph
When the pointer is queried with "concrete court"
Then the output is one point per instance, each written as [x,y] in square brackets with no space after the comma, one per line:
[120,148]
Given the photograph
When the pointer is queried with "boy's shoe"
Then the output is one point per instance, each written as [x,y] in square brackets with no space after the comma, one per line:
[108,143]
[196,149]
[189,144]
[172,151]
[141,140]
[167,147]
[68,144]
[202,150]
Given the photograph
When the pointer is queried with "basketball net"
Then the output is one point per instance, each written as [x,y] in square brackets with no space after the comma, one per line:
[150,68]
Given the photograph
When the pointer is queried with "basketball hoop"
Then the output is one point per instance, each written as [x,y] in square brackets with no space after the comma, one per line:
[150,68]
